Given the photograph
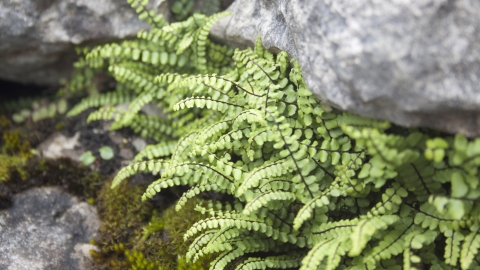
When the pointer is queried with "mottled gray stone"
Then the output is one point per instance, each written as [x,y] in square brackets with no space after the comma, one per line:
[46,228]
[413,62]
[38,36]
[58,145]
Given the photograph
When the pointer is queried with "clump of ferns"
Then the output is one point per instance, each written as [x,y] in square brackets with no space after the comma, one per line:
[181,47]
[313,188]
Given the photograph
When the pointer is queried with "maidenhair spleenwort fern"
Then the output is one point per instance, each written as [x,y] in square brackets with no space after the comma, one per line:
[311,187]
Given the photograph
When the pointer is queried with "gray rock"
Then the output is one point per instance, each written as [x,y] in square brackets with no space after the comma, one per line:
[38,36]
[139,144]
[415,63]
[47,228]
[58,145]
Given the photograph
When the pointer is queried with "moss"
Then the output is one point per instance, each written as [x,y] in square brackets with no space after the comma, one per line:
[9,164]
[167,246]
[122,217]
[74,178]
[4,123]
[15,150]
[136,235]
[15,143]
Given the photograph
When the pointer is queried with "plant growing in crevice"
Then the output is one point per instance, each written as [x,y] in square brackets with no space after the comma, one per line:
[310,187]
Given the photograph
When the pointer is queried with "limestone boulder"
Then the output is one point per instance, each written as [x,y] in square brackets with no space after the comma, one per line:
[47,228]
[413,62]
[38,37]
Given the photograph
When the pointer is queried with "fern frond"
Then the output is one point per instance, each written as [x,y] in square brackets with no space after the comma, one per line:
[452,247]
[133,109]
[148,15]
[272,170]
[331,230]
[105,113]
[194,250]
[264,199]
[273,262]
[182,169]
[316,255]
[338,249]
[391,201]
[366,228]
[140,81]
[184,143]
[239,222]
[202,37]
[154,127]
[163,149]
[306,211]
[470,247]
[195,190]
[224,258]
[109,98]
[415,240]
[209,103]
[392,244]
[428,217]
[154,166]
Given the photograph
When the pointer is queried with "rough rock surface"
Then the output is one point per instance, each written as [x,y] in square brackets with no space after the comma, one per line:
[46,228]
[38,36]
[415,63]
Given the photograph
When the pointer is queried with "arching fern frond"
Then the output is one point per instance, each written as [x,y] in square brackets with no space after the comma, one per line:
[109,98]
[163,149]
[365,229]
[154,166]
[470,247]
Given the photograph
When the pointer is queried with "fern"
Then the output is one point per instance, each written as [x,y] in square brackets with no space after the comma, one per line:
[313,187]
[470,247]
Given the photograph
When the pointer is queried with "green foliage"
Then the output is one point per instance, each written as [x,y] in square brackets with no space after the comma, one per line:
[106,152]
[134,65]
[120,218]
[87,158]
[15,150]
[182,9]
[36,172]
[137,236]
[309,187]
[35,109]
[9,162]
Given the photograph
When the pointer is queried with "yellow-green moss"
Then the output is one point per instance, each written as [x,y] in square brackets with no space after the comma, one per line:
[167,245]
[15,149]
[71,176]
[122,217]
[9,163]
[14,143]
[134,235]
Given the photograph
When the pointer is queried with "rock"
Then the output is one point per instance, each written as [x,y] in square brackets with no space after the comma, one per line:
[58,145]
[415,63]
[47,228]
[126,154]
[39,36]
[139,144]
